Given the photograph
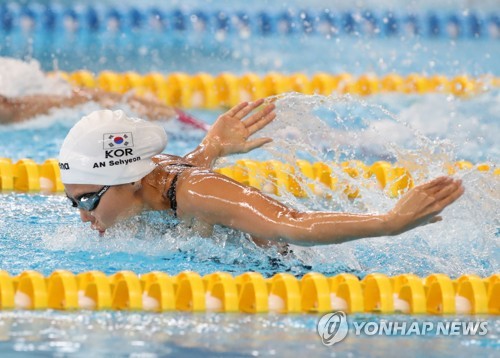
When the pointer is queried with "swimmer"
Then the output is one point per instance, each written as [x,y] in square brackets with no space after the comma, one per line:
[16,109]
[27,91]
[112,168]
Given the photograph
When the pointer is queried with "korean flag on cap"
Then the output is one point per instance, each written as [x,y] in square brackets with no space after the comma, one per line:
[118,140]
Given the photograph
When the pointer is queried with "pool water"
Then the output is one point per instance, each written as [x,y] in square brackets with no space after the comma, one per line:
[42,232]
[465,242]
[118,334]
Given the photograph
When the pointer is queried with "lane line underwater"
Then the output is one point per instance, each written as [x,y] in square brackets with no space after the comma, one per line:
[272,177]
[381,23]
[204,90]
[250,292]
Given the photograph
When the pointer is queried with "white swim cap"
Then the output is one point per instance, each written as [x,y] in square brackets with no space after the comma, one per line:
[108,148]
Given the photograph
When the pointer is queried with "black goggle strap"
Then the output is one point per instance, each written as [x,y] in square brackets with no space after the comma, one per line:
[103,190]
[73,201]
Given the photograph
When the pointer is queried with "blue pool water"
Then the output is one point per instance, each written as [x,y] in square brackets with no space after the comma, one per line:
[104,334]
[43,233]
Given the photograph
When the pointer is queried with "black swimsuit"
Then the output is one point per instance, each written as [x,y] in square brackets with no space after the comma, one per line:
[171,192]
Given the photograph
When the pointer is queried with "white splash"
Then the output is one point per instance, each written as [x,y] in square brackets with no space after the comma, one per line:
[19,78]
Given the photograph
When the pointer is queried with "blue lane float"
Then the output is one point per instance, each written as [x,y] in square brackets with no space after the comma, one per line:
[327,22]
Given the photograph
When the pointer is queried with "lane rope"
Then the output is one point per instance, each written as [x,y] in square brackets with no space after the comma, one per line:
[327,22]
[250,292]
[273,177]
[203,90]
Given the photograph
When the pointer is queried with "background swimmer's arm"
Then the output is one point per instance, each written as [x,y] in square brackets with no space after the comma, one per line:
[6,110]
[149,107]
[230,133]
[216,199]
[21,108]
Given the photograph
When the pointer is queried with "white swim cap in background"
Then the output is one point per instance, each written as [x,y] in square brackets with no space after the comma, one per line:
[108,148]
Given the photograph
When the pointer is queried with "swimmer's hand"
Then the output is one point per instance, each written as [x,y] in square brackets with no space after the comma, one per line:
[231,131]
[422,204]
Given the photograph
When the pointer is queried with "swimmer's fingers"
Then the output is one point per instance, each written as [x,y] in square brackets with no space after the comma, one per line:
[272,99]
[447,190]
[243,112]
[435,183]
[448,198]
[262,123]
[233,111]
[443,185]
[260,119]
[435,219]
[256,143]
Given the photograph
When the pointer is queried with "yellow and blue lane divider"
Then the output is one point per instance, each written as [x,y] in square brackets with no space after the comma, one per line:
[204,90]
[272,176]
[250,292]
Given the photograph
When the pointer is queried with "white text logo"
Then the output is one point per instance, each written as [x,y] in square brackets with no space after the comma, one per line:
[333,328]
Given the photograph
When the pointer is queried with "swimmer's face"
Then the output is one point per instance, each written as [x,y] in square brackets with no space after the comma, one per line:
[116,203]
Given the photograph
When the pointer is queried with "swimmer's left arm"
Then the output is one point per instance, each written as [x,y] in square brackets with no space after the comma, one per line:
[230,133]
[219,200]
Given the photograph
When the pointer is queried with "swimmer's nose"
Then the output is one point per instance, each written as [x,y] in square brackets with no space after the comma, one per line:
[86,217]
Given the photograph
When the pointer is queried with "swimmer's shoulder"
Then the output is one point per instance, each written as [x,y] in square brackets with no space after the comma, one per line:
[164,160]
[162,176]
[169,164]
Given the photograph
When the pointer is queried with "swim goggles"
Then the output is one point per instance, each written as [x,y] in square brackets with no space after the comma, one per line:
[89,202]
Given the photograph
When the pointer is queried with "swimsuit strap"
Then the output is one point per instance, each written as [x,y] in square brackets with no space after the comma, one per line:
[171,192]
[171,195]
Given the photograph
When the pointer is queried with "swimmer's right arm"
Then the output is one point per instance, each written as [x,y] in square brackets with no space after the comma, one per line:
[230,133]
[218,200]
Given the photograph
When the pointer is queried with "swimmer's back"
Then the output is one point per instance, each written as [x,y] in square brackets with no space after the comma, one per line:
[165,177]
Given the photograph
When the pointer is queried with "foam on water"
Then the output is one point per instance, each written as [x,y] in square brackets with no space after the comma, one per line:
[18,78]
[466,241]
[387,126]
